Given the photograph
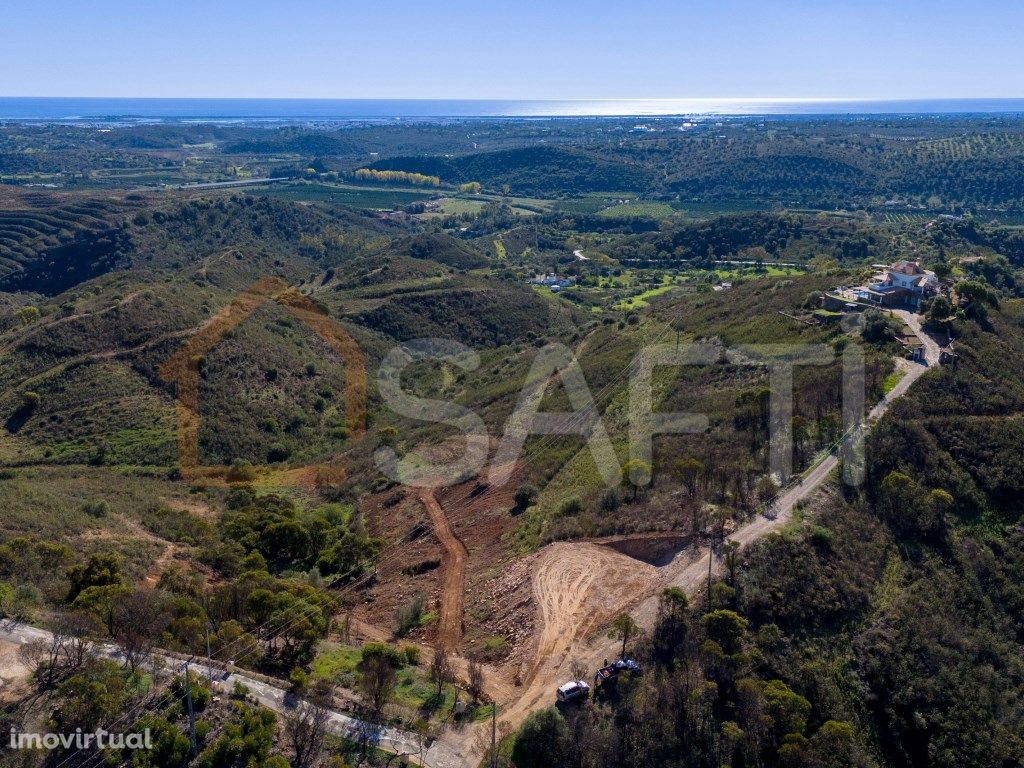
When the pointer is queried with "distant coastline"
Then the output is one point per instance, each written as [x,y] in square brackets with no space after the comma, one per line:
[73,109]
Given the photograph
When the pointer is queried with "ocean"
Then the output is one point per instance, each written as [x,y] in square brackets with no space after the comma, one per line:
[284,110]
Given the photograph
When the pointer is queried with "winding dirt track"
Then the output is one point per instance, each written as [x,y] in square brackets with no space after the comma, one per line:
[453,577]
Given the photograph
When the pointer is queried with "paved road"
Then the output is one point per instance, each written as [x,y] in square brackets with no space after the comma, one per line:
[238,183]
[693,574]
[439,755]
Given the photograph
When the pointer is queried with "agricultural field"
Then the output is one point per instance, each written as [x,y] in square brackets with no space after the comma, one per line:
[637,210]
[378,198]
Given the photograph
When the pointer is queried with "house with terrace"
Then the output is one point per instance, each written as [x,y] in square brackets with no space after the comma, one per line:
[904,284]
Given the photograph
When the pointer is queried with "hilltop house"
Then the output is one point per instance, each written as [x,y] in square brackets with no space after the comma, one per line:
[904,283]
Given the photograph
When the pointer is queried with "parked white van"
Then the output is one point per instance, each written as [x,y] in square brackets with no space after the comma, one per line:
[575,689]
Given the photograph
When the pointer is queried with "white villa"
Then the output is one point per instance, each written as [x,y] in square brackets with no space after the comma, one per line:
[905,282]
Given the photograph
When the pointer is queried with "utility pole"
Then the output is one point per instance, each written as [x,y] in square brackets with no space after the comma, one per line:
[711,557]
[494,735]
[209,656]
[191,712]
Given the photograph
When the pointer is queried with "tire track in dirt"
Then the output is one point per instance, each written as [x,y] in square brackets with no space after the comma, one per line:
[579,587]
[453,577]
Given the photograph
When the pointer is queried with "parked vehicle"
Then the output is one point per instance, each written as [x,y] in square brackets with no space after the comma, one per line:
[627,665]
[575,689]
[611,671]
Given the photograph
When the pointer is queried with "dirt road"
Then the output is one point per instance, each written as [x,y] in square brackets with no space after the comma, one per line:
[579,587]
[453,576]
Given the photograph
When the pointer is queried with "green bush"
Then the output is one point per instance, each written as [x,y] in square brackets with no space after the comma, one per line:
[394,656]
[408,616]
[96,508]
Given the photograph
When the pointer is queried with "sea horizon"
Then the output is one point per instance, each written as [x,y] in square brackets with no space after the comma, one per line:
[142,109]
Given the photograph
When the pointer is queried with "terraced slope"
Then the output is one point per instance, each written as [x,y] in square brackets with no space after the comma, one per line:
[50,242]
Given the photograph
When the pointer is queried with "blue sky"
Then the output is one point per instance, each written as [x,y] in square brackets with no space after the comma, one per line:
[521,49]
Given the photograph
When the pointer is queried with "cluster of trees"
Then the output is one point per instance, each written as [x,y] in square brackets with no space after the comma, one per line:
[269,607]
[530,170]
[83,256]
[753,237]
[329,538]
[396,177]
[710,695]
[85,691]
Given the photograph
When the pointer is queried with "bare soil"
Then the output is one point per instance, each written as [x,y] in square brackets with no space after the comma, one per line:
[453,574]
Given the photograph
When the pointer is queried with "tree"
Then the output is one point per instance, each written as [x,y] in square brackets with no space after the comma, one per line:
[102,602]
[766,489]
[475,679]
[424,735]
[833,744]
[671,627]
[726,628]
[171,746]
[79,631]
[22,602]
[543,740]
[909,508]
[103,569]
[578,670]
[624,628]
[977,294]
[441,669]
[689,470]
[788,710]
[800,430]
[27,315]
[40,656]
[94,695]
[66,650]
[636,475]
[940,311]
[246,741]
[305,727]
[377,681]
[524,496]
[140,618]
[731,555]
[878,326]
